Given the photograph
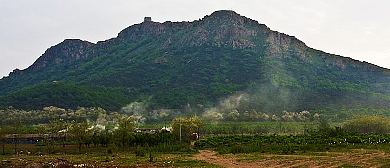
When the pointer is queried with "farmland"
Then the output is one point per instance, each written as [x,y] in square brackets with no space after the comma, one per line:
[221,144]
[96,157]
[352,158]
[99,157]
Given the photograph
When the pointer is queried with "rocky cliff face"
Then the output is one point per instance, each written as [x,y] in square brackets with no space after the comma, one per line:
[66,52]
[221,28]
[280,44]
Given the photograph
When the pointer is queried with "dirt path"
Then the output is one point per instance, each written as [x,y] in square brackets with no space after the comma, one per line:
[365,160]
[211,157]
[356,159]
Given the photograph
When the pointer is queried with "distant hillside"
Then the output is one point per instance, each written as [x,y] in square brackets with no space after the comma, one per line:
[196,64]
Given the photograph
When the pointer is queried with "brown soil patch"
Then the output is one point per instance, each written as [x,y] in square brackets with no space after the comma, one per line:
[372,159]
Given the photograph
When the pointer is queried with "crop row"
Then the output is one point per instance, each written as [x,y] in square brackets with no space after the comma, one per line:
[218,141]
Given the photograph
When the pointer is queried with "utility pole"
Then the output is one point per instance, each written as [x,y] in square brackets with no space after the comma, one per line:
[180,130]
[165,122]
[16,153]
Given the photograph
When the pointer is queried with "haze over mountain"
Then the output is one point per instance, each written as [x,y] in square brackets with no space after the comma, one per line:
[196,64]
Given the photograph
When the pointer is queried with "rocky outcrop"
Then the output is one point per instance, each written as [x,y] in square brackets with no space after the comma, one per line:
[68,51]
[221,28]
[280,44]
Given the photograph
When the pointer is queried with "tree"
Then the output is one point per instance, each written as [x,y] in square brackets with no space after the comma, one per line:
[125,129]
[79,132]
[2,133]
[198,124]
[60,128]
[233,115]
[16,129]
[183,128]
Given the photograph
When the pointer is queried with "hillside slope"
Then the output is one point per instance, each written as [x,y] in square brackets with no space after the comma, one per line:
[196,64]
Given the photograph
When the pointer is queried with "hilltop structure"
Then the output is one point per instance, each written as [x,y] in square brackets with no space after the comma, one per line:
[147,19]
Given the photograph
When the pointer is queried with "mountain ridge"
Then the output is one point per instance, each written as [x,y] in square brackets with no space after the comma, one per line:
[156,27]
[172,64]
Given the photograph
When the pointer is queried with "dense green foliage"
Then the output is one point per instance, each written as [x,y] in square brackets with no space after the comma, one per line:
[321,138]
[66,96]
[49,114]
[252,128]
[289,144]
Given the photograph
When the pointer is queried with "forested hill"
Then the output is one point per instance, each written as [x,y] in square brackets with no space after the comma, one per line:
[196,64]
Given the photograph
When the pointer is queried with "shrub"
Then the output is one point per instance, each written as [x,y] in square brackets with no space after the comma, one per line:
[140,151]
[368,125]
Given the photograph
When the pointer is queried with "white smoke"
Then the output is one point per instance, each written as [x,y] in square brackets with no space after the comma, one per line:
[135,108]
[212,114]
[225,107]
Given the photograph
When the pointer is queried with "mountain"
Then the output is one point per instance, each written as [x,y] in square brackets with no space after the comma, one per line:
[197,64]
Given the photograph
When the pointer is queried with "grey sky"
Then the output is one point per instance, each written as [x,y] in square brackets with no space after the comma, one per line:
[359,29]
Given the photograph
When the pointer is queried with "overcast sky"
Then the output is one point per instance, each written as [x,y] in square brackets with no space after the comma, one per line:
[359,29]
